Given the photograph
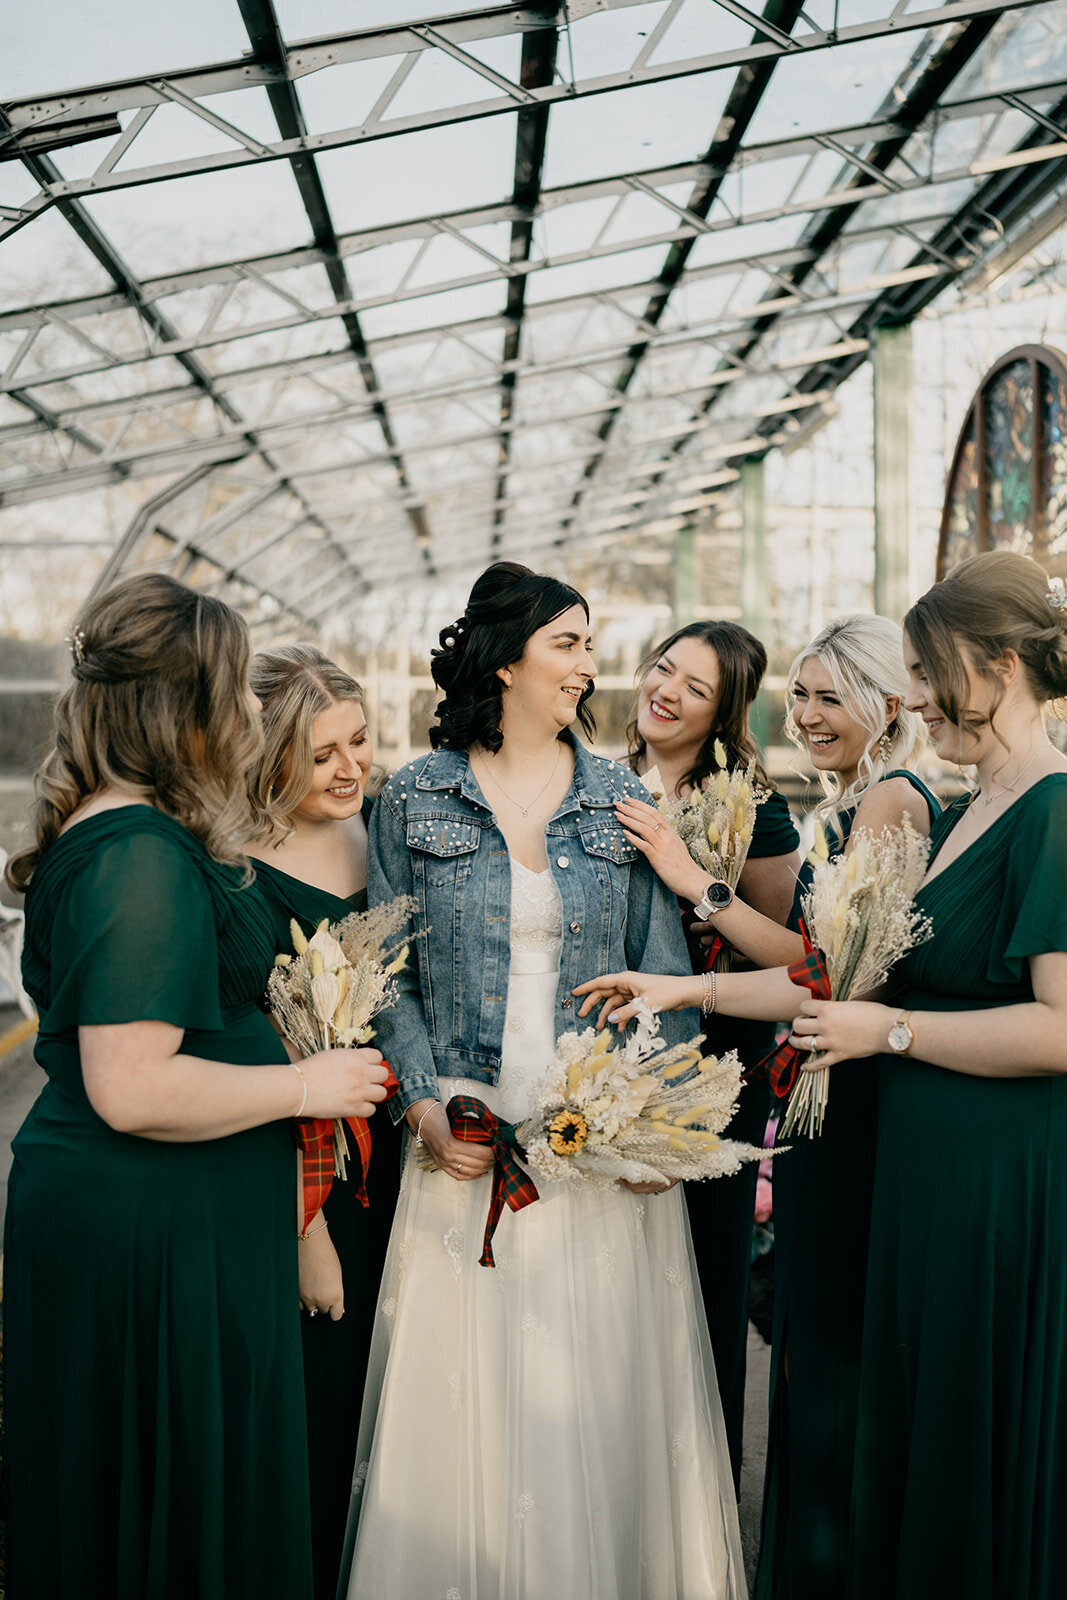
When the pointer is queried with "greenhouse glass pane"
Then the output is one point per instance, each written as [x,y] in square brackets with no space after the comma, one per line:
[47,261]
[306,19]
[420,174]
[62,44]
[827,89]
[435,310]
[190,222]
[603,272]
[634,129]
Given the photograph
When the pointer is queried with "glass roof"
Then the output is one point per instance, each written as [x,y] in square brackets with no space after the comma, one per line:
[435,281]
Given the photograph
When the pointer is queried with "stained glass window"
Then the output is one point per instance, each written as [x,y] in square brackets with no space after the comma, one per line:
[1007,488]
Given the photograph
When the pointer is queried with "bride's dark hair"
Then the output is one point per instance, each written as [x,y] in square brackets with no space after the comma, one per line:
[507,605]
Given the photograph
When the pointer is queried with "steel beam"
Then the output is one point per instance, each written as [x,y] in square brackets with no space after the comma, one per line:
[762,53]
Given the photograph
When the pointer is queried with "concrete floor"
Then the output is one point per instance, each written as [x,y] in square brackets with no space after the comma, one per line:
[21,1080]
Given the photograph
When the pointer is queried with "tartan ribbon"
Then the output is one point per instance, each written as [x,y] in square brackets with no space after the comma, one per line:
[315,1141]
[808,973]
[472,1122]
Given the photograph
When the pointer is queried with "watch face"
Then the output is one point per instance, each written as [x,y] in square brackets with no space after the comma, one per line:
[900,1036]
[719,895]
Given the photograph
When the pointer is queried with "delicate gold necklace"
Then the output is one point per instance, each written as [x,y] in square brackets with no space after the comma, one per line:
[980,799]
[526,809]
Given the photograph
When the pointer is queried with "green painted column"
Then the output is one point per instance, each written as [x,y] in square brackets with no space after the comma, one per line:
[893,510]
[686,589]
[755,577]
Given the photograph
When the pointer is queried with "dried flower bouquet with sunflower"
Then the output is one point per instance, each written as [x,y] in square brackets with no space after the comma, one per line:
[325,996]
[639,1110]
[859,919]
[715,823]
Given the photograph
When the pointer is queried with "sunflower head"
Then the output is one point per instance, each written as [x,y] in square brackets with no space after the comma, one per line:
[567,1132]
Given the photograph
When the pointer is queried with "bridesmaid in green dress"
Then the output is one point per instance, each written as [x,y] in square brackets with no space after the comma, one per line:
[961,1462]
[308,795]
[154,1418]
[695,688]
[845,711]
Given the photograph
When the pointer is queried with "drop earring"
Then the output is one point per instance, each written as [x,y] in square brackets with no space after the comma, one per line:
[885,748]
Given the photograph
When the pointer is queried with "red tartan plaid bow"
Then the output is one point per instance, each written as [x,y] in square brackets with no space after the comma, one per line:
[314,1139]
[808,973]
[472,1122]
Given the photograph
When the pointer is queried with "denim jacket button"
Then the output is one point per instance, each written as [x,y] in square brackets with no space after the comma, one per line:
[566,1002]
[576,927]
[563,861]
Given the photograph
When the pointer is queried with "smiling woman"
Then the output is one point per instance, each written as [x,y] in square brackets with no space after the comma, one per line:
[549,1427]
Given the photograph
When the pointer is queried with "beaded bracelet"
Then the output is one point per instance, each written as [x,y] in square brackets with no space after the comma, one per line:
[707,1003]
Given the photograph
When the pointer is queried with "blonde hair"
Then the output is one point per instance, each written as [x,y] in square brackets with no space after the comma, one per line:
[864,656]
[296,684]
[158,707]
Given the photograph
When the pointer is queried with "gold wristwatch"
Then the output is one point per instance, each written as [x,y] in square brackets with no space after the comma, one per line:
[901,1037]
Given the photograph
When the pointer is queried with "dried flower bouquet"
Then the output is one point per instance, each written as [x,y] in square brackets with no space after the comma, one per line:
[859,914]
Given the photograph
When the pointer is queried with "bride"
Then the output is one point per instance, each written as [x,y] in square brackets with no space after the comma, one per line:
[548,1428]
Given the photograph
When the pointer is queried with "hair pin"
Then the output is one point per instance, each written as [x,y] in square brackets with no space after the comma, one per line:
[1057,594]
[76,639]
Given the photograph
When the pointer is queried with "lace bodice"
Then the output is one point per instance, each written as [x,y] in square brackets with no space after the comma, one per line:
[536,911]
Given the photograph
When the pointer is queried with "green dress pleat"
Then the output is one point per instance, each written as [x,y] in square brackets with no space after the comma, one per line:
[822,1208]
[961,1456]
[154,1411]
[335,1353]
[721,1213]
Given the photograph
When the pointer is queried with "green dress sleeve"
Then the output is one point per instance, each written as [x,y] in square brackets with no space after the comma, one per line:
[1032,916]
[134,939]
[774,833]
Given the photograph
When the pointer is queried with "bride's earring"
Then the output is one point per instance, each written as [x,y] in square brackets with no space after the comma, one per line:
[885,748]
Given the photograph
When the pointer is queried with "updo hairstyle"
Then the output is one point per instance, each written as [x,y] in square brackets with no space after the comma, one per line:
[507,605]
[865,659]
[742,663]
[159,708]
[986,606]
[295,683]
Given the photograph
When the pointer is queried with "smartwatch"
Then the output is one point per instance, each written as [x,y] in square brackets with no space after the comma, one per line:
[901,1037]
[715,898]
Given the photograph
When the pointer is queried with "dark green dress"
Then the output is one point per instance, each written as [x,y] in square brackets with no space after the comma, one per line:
[335,1353]
[961,1457]
[721,1213]
[155,1421]
[822,1205]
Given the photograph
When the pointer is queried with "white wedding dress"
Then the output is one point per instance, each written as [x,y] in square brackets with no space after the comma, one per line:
[549,1429]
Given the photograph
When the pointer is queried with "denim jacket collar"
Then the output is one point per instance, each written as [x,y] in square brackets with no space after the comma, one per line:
[451,770]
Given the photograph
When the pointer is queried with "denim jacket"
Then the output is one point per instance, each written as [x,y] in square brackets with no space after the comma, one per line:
[433,835]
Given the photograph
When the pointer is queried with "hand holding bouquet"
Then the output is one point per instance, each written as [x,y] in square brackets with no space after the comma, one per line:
[859,919]
[325,996]
[715,823]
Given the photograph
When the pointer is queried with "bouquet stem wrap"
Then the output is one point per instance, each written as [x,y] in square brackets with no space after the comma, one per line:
[808,973]
[315,1141]
[472,1122]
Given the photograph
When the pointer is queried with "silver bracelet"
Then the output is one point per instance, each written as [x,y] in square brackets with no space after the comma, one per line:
[311,1231]
[418,1131]
[707,1003]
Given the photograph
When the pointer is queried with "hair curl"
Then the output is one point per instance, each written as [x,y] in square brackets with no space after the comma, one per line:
[864,656]
[988,605]
[742,663]
[158,708]
[507,604]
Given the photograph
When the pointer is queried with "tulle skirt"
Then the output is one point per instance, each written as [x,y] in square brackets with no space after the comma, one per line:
[549,1429]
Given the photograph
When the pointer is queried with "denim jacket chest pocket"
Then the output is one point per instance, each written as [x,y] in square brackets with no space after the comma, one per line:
[603,839]
[443,846]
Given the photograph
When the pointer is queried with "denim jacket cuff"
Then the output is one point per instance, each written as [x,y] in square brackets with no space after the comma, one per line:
[412,1089]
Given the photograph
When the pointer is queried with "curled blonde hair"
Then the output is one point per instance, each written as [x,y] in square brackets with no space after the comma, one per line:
[296,683]
[158,707]
[864,656]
